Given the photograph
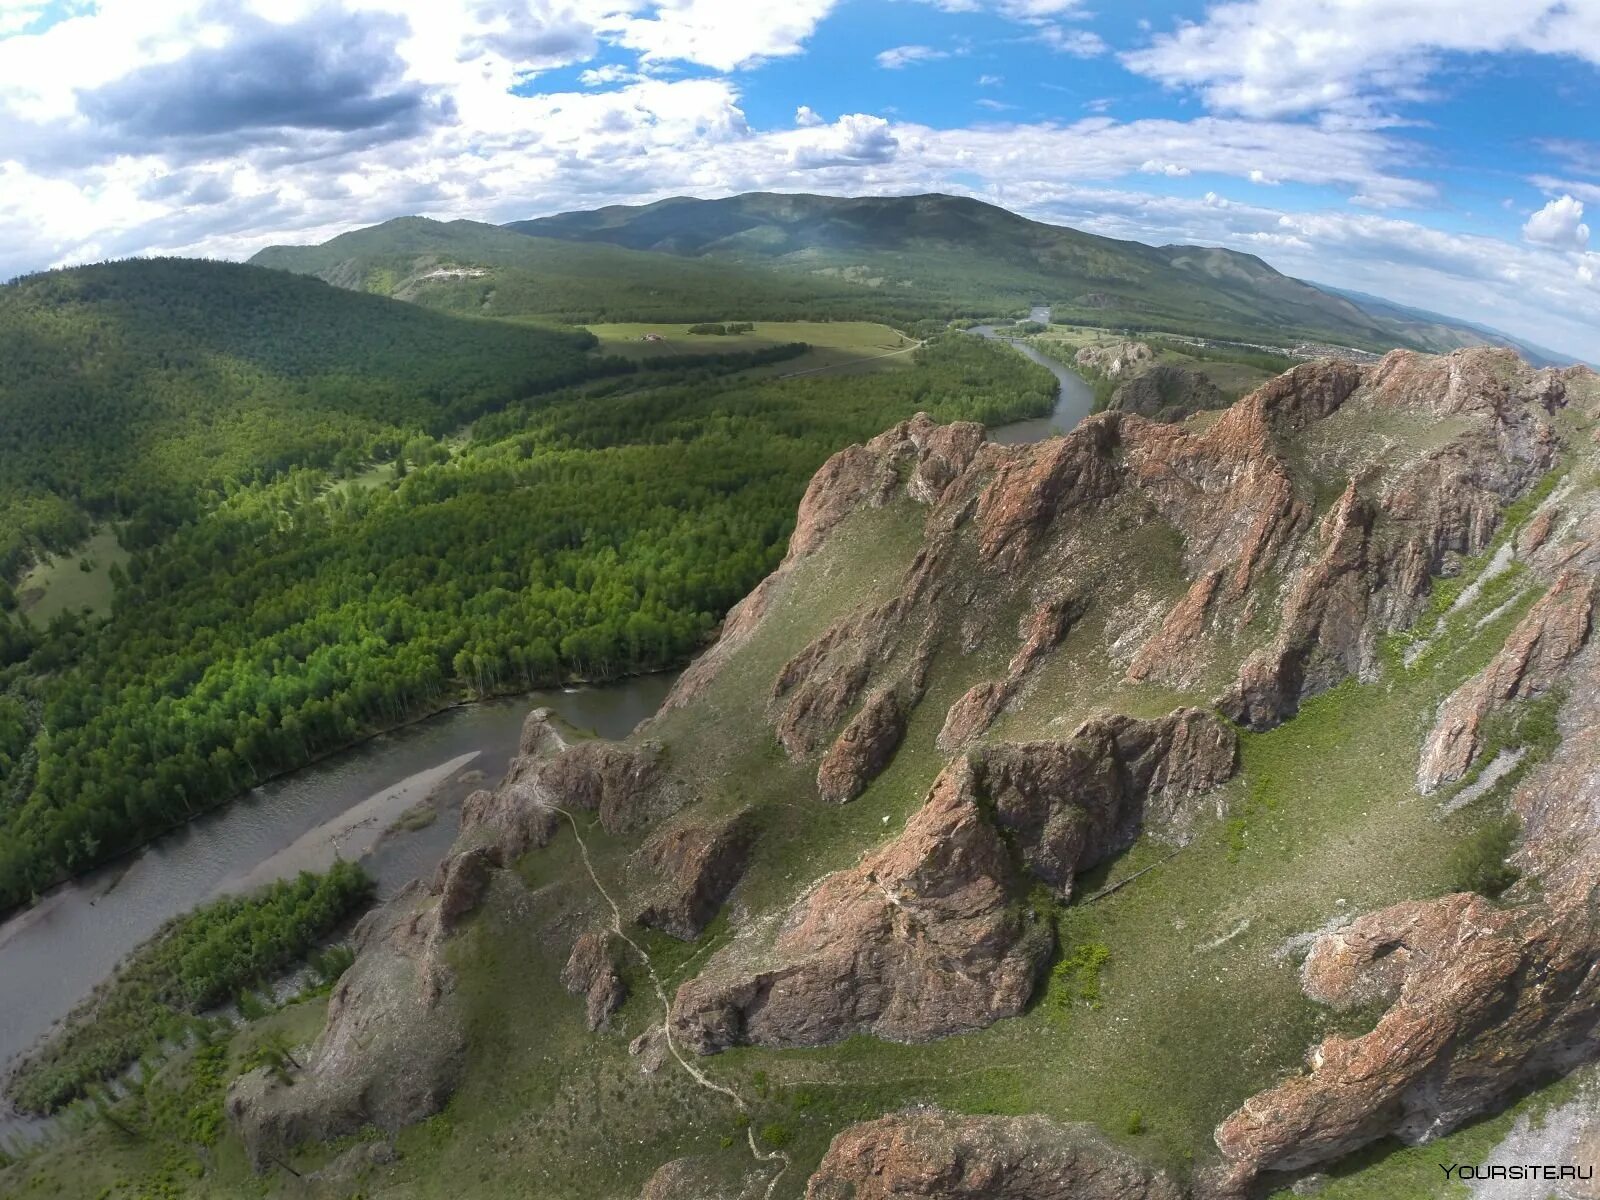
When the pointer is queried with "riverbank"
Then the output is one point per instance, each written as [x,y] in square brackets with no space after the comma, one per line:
[54,954]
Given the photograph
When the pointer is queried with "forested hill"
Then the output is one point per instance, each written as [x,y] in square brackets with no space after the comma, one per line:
[126,387]
[469,267]
[965,253]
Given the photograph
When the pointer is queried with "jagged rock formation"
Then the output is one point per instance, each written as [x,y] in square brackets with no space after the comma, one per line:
[591,972]
[938,1156]
[1056,588]
[1164,392]
[922,939]
[1483,999]
[689,869]
[918,941]
[1528,667]
[1114,361]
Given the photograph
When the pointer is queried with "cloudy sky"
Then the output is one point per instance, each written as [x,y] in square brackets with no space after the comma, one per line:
[1444,153]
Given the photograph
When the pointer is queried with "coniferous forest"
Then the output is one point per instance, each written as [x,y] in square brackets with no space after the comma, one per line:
[595,520]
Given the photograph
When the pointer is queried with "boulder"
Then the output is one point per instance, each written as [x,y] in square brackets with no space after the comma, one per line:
[863,749]
[591,972]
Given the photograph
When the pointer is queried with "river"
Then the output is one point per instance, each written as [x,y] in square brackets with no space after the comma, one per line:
[53,954]
[1074,396]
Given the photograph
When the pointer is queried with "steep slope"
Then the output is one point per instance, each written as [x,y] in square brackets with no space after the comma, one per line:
[986,259]
[956,776]
[471,268]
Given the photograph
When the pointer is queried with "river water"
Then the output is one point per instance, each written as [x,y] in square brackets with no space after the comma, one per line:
[1074,397]
[52,955]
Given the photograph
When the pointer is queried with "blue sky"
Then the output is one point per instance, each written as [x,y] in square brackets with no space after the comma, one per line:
[1443,154]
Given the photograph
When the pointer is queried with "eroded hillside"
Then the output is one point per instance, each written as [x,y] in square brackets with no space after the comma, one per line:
[1121,815]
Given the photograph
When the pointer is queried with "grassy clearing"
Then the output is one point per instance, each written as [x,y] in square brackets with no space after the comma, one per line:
[843,347]
[61,584]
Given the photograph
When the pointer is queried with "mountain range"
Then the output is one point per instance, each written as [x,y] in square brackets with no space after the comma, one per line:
[763,255]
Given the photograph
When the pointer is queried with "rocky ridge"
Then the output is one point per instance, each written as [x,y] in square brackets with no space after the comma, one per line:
[1269,588]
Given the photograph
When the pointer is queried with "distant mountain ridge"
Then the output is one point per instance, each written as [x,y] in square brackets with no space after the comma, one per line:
[893,257]
[1539,356]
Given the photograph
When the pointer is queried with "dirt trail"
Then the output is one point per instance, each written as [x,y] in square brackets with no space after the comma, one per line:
[694,1072]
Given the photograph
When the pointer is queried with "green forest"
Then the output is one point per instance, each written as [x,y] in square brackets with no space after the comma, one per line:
[197,962]
[589,532]
[127,388]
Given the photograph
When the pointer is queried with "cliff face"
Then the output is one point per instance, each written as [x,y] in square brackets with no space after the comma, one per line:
[1023,661]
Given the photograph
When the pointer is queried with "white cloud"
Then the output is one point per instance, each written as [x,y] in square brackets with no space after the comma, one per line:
[1172,170]
[855,140]
[807,117]
[1559,223]
[990,80]
[1080,43]
[1275,58]
[993,105]
[899,57]
[1257,175]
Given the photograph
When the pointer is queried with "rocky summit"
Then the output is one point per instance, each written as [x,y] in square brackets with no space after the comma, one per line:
[1173,808]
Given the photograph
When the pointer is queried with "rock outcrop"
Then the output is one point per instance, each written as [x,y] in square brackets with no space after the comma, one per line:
[925,1155]
[1114,361]
[591,972]
[1166,393]
[1529,665]
[391,1054]
[689,868]
[863,749]
[922,938]
[918,941]
[1482,999]
[1070,805]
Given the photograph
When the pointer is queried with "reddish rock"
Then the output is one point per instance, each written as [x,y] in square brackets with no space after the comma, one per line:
[973,713]
[919,941]
[863,750]
[1528,666]
[591,972]
[689,870]
[1484,1000]
[1166,657]
[927,1155]
[1070,805]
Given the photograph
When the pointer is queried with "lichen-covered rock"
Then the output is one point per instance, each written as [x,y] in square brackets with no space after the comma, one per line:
[1527,667]
[927,1155]
[591,972]
[863,749]
[689,869]
[701,1178]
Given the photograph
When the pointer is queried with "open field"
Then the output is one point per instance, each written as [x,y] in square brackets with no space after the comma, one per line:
[60,584]
[843,346]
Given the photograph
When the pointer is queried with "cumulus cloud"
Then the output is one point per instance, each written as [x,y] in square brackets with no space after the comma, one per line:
[807,117]
[336,72]
[1276,58]
[1172,170]
[1559,223]
[899,57]
[855,140]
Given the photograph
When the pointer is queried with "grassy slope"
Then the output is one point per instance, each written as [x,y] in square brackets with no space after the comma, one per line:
[59,584]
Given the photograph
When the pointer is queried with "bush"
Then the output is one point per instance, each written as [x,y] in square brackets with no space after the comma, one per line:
[709,327]
[776,1135]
